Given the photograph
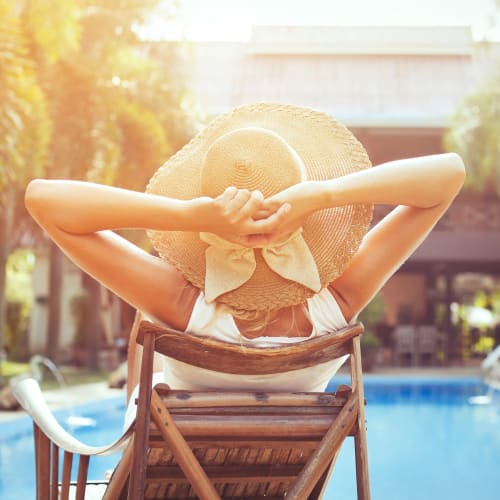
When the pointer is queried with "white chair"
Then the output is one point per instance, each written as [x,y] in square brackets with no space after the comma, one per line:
[405,345]
[428,344]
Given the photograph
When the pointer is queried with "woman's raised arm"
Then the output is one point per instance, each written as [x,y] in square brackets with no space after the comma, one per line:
[79,218]
[422,182]
[421,188]
[81,208]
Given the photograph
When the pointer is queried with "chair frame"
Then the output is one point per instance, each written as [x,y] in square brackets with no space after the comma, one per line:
[241,359]
[173,416]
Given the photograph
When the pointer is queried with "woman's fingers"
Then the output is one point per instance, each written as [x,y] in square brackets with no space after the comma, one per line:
[248,218]
[272,222]
[238,204]
[250,205]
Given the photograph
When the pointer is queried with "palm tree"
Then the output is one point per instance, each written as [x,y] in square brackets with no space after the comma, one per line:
[24,133]
[474,134]
[107,103]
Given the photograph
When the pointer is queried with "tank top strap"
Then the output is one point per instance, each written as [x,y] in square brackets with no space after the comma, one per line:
[212,320]
[325,313]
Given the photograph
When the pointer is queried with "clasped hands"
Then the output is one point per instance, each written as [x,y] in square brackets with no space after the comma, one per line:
[247,218]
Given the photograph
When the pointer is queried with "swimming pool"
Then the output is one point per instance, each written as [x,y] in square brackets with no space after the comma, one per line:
[425,442]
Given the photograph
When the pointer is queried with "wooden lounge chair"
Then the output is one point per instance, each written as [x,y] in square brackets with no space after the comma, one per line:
[211,445]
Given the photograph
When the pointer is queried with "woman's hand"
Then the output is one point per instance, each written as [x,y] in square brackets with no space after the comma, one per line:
[302,199]
[239,216]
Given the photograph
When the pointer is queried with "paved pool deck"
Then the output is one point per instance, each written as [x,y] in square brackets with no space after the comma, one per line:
[69,397]
[78,394]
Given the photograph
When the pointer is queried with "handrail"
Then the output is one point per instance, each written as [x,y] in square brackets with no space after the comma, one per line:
[30,397]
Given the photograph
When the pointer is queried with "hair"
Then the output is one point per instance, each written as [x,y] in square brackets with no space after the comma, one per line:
[261,319]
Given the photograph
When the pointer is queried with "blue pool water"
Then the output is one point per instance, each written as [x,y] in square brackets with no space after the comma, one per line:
[425,442]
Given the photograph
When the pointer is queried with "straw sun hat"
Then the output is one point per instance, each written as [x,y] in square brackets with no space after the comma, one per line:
[267,147]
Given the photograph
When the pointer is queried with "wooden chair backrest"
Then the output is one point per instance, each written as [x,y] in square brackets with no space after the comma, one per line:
[212,354]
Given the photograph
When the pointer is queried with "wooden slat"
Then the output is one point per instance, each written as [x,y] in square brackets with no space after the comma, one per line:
[139,465]
[224,357]
[250,412]
[66,475]
[81,484]
[54,475]
[215,399]
[361,452]
[42,452]
[241,427]
[226,473]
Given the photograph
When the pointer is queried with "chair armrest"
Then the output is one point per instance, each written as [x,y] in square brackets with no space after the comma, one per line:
[30,397]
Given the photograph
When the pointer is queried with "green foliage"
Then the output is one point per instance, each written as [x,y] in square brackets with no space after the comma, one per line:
[19,301]
[54,26]
[112,110]
[20,266]
[82,97]
[370,340]
[371,316]
[11,369]
[474,133]
[373,313]
[484,345]
[24,121]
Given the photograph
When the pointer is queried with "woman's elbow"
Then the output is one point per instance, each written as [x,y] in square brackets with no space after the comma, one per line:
[454,169]
[36,196]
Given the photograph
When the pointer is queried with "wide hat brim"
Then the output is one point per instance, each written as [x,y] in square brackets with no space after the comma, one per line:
[328,150]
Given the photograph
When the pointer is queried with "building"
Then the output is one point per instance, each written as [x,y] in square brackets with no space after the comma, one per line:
[395,88]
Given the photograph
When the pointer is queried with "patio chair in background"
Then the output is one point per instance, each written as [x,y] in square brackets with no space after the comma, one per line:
[428,339]
[405,345]
[219,444]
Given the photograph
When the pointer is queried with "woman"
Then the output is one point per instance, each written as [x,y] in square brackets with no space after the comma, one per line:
[261,223]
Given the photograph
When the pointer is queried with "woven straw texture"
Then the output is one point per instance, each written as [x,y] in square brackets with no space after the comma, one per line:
[328,150]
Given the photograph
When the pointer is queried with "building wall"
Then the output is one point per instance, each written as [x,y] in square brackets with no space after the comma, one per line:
[404,298]
[71,286]
[109,313]
[364,76]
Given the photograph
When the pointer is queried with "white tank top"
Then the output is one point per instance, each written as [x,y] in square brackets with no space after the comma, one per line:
[215,321]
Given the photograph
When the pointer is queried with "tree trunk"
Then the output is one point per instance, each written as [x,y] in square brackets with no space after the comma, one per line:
[55,295]
[3,302]
[93,323]
[6,216]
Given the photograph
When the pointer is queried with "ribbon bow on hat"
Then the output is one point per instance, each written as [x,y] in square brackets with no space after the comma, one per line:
[229,265]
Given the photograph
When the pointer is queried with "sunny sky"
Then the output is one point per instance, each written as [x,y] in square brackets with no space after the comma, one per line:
[232,19]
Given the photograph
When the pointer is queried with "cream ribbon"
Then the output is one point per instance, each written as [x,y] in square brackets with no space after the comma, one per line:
[229,265]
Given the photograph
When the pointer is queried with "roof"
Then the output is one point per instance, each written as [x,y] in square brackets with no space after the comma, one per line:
[473,246]
[348,72]
[361,40]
